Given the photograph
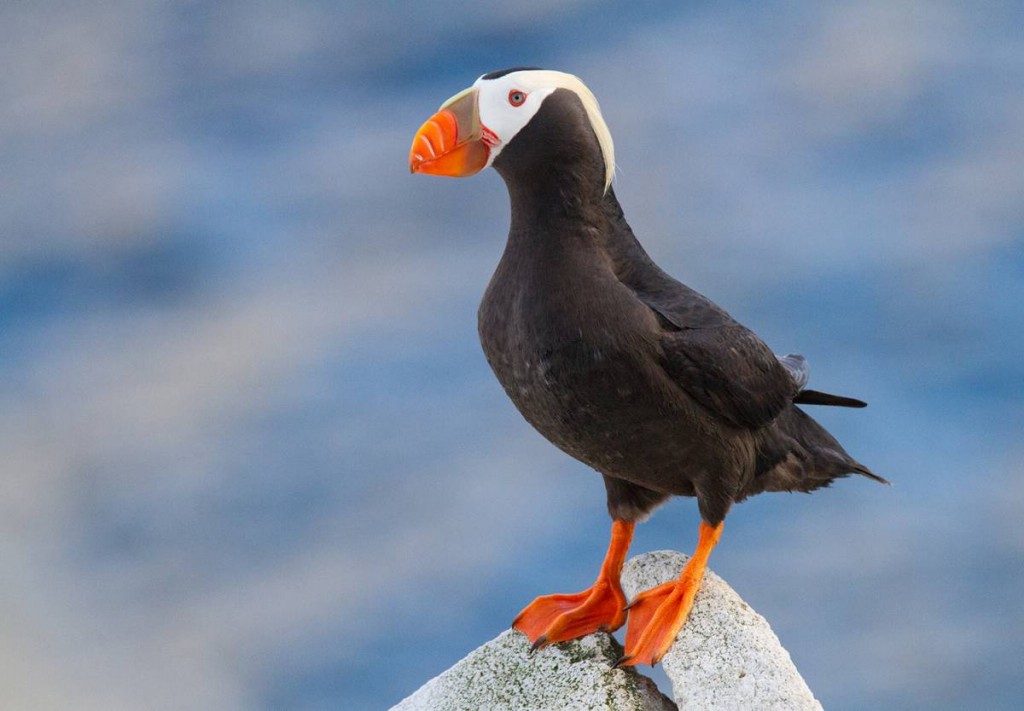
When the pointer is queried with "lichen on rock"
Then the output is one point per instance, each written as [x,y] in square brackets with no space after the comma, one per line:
[726,657]
[503,674]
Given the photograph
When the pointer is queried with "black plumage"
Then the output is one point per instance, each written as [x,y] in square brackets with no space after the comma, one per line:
[613,360]
[622,366]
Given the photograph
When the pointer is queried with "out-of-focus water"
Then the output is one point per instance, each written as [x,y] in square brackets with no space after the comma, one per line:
[252,455]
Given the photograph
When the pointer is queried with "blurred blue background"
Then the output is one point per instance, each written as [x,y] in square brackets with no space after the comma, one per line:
[252,456]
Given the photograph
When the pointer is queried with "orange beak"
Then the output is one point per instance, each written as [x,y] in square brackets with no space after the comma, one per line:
[451,142]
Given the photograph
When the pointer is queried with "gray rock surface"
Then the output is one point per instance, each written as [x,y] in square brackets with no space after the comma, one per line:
[726,656]
[574,676]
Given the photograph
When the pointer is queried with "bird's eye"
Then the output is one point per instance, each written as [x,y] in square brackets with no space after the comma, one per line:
[516,97]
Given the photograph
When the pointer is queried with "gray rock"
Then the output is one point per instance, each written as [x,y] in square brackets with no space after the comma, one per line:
[726,656]
[574,676]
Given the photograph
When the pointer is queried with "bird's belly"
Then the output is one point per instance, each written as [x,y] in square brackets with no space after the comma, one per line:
[612,410]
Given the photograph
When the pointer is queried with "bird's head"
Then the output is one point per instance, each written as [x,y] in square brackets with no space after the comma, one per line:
[518,120]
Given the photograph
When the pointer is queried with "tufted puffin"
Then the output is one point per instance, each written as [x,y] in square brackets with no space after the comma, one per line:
[611,359]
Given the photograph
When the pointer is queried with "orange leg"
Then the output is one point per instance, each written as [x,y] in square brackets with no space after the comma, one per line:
[657,615]
[558,618]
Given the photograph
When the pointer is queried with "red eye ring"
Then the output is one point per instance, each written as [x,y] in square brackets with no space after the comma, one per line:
[517,97]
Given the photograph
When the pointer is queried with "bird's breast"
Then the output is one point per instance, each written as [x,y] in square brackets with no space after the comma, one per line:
[582,370]
[552,341]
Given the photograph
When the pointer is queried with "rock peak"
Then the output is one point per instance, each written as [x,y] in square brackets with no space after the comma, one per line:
[726,657]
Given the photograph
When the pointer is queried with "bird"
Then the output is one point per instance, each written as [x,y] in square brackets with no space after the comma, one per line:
[614,361]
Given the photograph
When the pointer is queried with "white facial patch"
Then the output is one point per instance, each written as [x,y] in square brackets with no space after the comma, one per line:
[504,109]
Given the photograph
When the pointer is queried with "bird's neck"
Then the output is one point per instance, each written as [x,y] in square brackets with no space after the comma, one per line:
[569,213]
[546,197]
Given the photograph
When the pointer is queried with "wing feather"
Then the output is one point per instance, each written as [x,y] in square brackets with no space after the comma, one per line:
[718,362]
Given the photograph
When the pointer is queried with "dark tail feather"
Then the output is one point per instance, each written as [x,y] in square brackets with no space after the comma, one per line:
[814,397]
[861,469]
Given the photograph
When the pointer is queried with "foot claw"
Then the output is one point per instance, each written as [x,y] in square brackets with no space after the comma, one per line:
[656,620]
[559,618]
[622,661]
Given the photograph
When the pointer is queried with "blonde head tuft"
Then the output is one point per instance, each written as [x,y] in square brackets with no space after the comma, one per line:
[538,84]
[593,109]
